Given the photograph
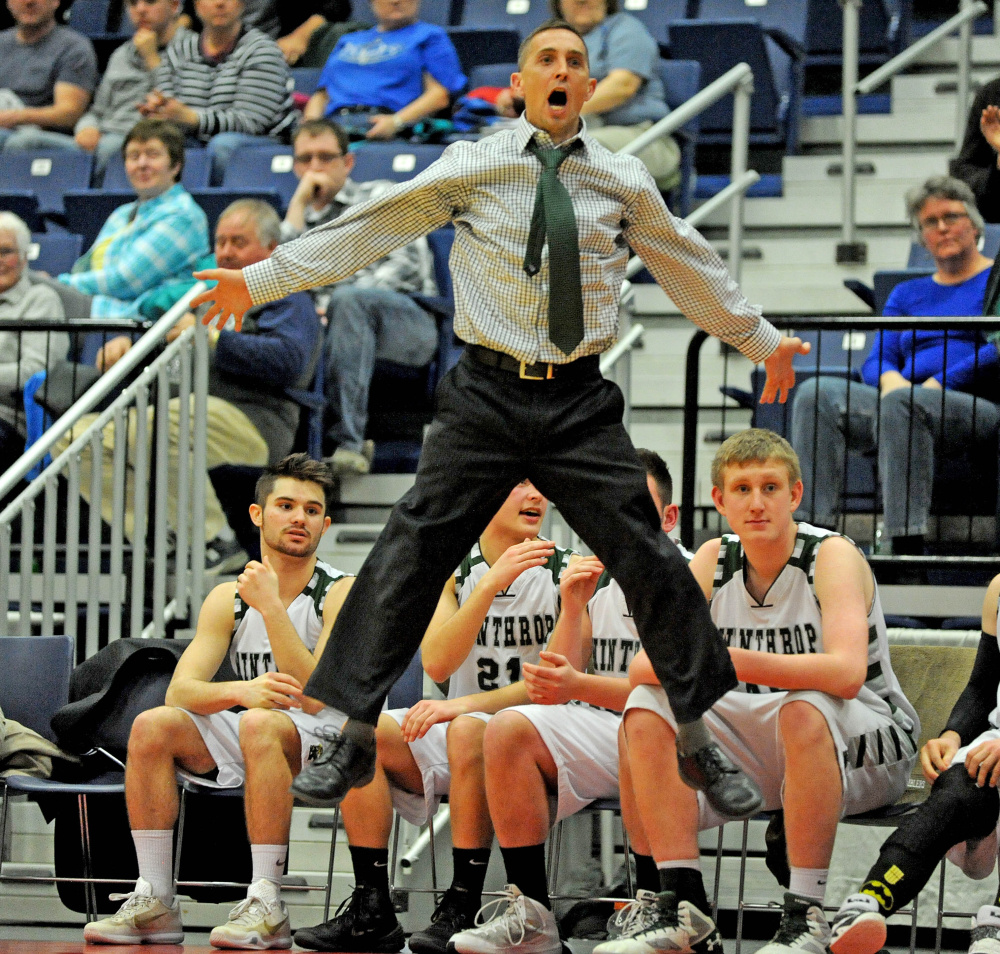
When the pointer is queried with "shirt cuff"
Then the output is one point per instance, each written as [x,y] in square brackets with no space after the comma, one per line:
[762,343]
[263,282]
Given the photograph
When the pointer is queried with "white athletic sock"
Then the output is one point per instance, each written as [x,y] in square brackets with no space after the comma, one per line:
[268,862]
[679,863]
[154,848]
[809,882]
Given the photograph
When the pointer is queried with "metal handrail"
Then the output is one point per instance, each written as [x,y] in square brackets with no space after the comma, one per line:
[851,88]
[739,82]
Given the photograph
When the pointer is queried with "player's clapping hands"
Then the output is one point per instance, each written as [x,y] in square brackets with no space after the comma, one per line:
[578,582]
[553,682]
[983,763]
[517,559]
[937,754]
[272,690]
[428,712]
[258,585]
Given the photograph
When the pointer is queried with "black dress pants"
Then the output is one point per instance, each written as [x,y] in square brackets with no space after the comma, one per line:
[492,430]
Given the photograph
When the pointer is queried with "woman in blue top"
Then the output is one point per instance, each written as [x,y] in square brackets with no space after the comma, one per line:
[900,406]
[378,81]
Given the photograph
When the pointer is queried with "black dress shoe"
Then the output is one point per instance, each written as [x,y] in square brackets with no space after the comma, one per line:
[344,763]
[727,789]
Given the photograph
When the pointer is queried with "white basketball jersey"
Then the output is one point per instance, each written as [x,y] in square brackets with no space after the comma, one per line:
[517,626]
[615,638]
[788,621]
[250,649]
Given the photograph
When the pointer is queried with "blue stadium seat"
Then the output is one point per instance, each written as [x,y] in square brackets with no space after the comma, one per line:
[681,81]
[479,45]
[492,74]
[215,201]
[88,209]
[778,76]
[195,174]
[442,13]
[54,252]
[47,173]
[397,161]
[24,204]
[656,14]
[262,167]
[89,17]
[520,15]
[306,78]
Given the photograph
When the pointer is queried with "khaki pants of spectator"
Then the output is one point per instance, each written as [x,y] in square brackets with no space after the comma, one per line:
[231,439]
[662,158]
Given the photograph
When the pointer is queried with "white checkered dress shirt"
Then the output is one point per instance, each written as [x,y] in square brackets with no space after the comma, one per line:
[487,189]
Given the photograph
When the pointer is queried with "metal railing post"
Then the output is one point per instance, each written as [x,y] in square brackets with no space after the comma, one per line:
[737,168]
[964,61]
[849,249]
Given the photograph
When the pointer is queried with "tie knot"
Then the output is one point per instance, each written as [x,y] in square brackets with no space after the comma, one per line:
[550,158]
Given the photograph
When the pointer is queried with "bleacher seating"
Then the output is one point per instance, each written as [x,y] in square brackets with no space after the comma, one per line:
[778,76]
[47,173]
[656,14]
[306,78]
[24,204]
[442,12]
[214,201]
[479,45]
[88,209]
[397,161]
[520,15]
[262,167]
[54,252]
[681,80]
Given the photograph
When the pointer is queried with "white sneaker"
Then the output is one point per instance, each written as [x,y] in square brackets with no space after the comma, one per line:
[142,919]
[803,928]
[674,927]
[258,923]
[510,923]
[858,927]
[986,931]
[345,462]
[635,917]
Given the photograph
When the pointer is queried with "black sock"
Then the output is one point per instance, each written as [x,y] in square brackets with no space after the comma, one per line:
[687,885]
[470,866]
[371,868]
[526,868]
[647,878]
[363,733]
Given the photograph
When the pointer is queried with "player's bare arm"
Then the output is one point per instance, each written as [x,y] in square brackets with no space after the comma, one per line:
[450,637]
[571,636]
[428,712]
[845,589]
[191,687]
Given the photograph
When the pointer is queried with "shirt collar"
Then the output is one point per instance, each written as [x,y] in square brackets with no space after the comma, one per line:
[524,131]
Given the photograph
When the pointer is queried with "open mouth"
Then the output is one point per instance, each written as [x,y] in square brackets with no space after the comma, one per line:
[557,97]
[531,513]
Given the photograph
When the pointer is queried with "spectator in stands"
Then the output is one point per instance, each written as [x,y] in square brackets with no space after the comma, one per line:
[978,160]
[227,87]
[127,80]
[799,610]
[899,408]
[377,82]
[370,314]
[270,624]
[22,353]
[48,73]
[624,59]
[151,241]
[250,419]
[958,820]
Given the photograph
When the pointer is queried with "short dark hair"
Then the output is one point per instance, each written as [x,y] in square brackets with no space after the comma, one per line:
[610,6]
[169,134]
[298,467]
[556,23]
[657,468]
[316,127]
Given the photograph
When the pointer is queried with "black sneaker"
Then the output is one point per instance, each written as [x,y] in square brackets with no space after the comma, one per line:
[364,922]
[452,915]
[727,789]
[344,763]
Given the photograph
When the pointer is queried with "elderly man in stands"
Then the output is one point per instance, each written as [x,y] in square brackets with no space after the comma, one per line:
[127,80]
[899,409]
[22,353]
[47,75]
[227,87]
[250,418]
[370,314]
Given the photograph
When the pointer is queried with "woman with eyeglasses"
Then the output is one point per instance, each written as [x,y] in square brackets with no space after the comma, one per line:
[898,408]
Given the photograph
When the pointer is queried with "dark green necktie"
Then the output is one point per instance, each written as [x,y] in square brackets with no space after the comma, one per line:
[553,218]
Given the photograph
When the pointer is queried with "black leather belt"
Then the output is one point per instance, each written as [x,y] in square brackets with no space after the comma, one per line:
[537,371]
[350,110]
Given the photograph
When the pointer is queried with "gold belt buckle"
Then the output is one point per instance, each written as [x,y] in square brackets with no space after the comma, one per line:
[523,372]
